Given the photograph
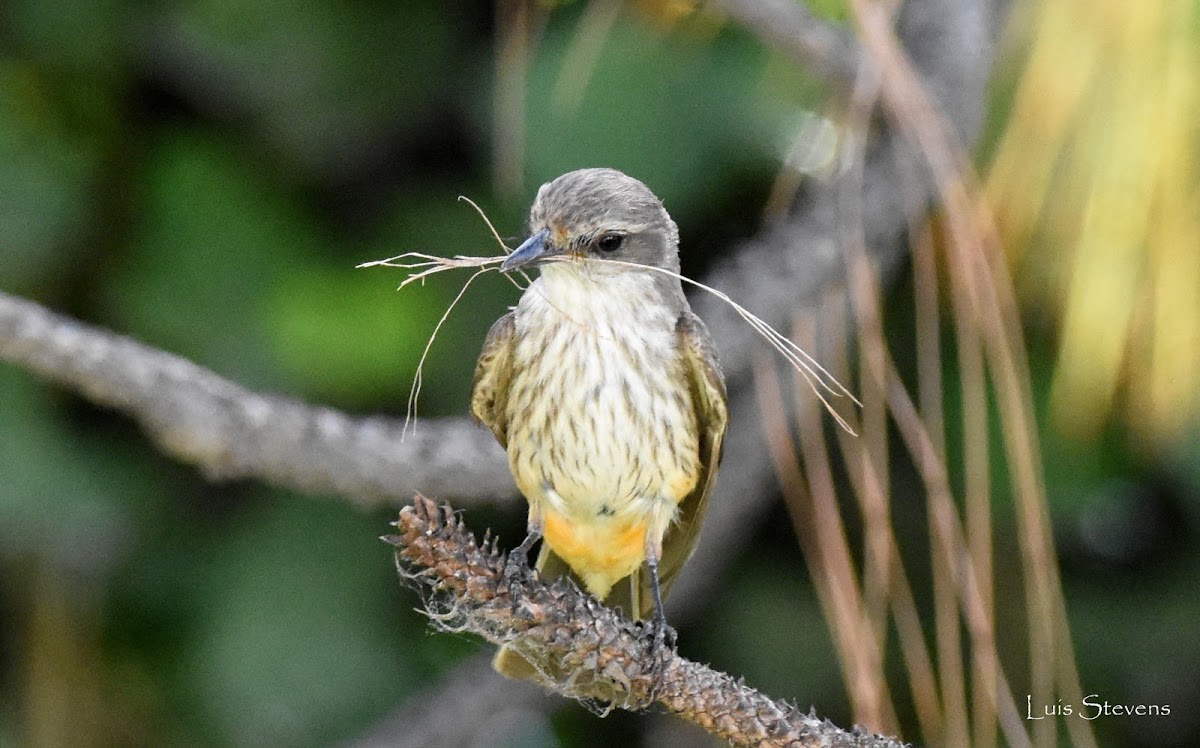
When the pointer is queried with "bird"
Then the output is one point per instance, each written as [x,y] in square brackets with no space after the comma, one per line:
[606,392]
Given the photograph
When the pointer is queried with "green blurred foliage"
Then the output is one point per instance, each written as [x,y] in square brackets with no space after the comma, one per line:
[230,236]
[289,649]
[62,496]
[48,168]
[706,90]
[314,77]
[204,176]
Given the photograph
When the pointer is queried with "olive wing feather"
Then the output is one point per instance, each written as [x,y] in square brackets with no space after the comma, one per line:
[493,372]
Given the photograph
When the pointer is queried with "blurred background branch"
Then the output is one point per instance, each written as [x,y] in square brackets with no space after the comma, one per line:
[826,50]
[231,433]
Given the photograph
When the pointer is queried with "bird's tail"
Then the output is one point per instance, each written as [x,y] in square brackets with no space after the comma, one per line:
[509,663]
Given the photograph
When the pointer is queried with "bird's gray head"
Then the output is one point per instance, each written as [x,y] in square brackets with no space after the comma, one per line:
[593,215]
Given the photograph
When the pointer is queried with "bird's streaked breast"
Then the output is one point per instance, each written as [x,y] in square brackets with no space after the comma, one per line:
[599,410]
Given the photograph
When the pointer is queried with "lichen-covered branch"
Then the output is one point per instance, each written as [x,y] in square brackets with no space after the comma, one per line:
[230,432]
[587,651]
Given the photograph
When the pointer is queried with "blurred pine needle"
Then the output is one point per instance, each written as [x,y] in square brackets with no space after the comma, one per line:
[1095,185]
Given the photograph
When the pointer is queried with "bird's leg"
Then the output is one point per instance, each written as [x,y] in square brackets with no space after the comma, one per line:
[662,632]
[662,645]
[516,567]
[660,618]
[518,558]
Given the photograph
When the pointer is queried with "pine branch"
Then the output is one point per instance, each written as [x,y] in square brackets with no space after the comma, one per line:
[587,651]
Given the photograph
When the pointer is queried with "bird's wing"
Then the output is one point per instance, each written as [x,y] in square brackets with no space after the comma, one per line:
[710,400]
[489,391]
[707,389]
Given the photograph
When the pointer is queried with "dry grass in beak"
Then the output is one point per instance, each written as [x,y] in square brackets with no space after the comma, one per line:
[421,266]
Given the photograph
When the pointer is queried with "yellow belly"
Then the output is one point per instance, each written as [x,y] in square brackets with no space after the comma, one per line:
[601,552]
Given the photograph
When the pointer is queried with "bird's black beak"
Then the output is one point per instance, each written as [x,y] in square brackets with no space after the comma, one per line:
[533,248]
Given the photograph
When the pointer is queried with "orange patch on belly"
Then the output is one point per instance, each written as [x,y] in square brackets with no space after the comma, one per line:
[600,551]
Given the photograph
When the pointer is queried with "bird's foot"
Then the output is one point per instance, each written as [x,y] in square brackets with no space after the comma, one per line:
[663,637]
[659,651]
[516,569]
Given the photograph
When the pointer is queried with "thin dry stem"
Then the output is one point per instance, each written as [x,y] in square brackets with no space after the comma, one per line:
[951,539]
[426,265]
[823,544]
[977,495]
[488,221]
[414,392]
[430,265]
[873,449]
[870,487]
[517,23]
[867,681]
[976,263]
[955,576]
[946,529]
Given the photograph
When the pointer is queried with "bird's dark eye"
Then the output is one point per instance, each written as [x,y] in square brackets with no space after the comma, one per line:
[610,242]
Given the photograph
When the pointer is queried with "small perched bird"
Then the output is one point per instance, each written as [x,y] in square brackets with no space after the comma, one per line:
[605,390]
